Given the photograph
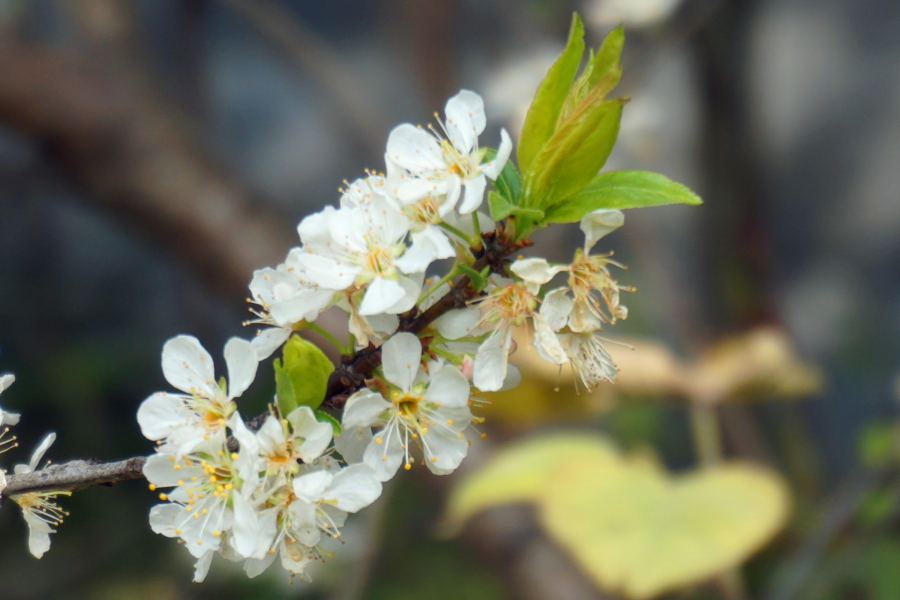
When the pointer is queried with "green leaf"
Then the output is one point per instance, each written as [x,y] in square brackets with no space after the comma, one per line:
[618,190]
[508,183]
[502,208]
[284,390]
[549,98]
[478,281]
[324,417]
[301,379]
[577,150]
[603,70]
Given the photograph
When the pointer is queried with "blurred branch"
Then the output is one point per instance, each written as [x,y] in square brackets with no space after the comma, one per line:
[74,475]
[130,155]
[799,567]
[313,55]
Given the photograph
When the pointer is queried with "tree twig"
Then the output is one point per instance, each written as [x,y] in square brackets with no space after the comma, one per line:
[75,475]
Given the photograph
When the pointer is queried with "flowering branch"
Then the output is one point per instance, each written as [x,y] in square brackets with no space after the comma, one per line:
[419,353]
[74,475]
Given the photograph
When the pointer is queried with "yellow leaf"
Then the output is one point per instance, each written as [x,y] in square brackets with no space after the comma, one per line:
[758,365]
[640,532]
[518,472]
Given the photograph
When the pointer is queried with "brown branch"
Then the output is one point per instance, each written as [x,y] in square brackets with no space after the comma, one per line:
[74,475]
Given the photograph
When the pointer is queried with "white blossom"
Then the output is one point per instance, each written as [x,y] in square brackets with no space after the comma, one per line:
[40,512]
[7,418]
[187,421]
[285,299]
[440,166]
[429,408]
[210,496]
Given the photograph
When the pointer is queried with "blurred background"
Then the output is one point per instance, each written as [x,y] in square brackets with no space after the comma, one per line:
[152,154]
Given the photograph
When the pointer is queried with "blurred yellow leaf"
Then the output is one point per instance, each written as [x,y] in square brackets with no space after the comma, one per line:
[639,531]
[518,472]
[760,364]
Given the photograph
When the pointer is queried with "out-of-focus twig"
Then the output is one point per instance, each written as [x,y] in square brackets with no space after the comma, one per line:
[837,514]
[130,155]
[312,53]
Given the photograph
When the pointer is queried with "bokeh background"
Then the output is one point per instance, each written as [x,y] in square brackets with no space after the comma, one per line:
[152,154]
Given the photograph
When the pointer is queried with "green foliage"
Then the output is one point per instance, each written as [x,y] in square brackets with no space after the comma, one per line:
[508,183]
[478,279]
[550,96]
[324,417]
[502,208]
[575,152]
[878,444]
[301,379]
[618,190]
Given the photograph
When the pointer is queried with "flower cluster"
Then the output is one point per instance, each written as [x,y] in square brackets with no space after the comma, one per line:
[284,487]
[40,511]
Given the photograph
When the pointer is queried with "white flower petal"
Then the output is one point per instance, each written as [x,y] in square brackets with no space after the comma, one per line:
[458,323]
[38,534]
[535,270]
[242,362]
[491,360]
[428,245]
[448,387]
[381,294]
[547,343]
[364,408]
[400,358]
[254,567]
[597,224]
[494,167]
[446,448]
[162,518]
[412,287]
[473,194]
[246,525]
[189,367]
[303,522]
[201,567]
[556,308]
[311,486]
[353,488]
[269,340]
[40,450]
[385,458]
[305,305]
[161,413]
[513,378]
[414,149]
[465,120]
[316,436]
[352,443]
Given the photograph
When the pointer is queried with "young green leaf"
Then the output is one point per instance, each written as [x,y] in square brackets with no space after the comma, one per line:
[543,113]
[578,149]
[478,281]
[502,208]
[301,379]
[618,190]
[508,183]
[603,71]
[324,417]
[284,389]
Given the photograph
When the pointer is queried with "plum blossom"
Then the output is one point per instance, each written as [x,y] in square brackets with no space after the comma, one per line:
[428,407]
[211,495]
[40,512]
[505,307]
[360,251]
[7,418]
[283,443]
[187,421]
[442,167]
[296,516]
[285,299]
